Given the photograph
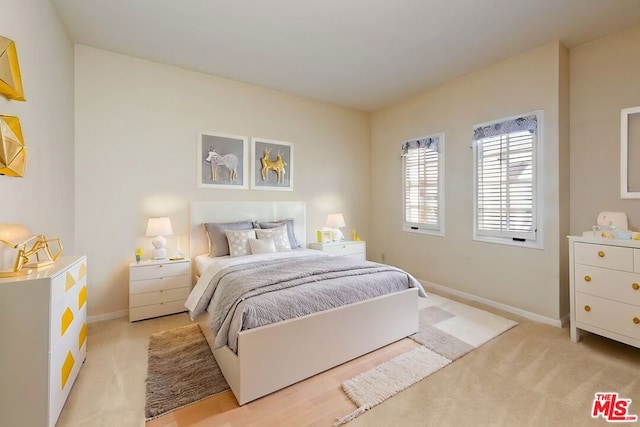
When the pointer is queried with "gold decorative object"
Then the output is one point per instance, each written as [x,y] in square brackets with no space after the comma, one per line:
[277,165]
[13,154]
[28,246]
[10,80]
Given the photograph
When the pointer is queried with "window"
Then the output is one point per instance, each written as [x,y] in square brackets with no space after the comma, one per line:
[422,169]
[506,186]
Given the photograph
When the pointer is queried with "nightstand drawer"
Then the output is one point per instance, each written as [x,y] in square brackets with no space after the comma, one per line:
[157,271]
[148,311]
[344,250]
[149,298]
[151,285]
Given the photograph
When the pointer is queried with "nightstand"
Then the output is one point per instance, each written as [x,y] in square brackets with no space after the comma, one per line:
[157,288]
[348,248]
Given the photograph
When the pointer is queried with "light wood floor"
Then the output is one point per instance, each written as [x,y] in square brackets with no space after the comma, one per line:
[317,401]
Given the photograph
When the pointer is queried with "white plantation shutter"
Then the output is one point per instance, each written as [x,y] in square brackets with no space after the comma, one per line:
[505,179]
[422,185]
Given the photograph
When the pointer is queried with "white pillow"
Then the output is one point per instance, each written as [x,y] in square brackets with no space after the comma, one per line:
[262,246]
[279,236]
[239,241]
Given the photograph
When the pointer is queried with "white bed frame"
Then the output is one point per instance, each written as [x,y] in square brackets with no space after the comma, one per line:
[275,356]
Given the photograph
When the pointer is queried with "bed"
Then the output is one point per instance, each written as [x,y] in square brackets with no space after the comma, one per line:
[273,356]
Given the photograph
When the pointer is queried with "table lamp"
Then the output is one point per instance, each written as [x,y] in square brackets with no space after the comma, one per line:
[335,221]
[158,228]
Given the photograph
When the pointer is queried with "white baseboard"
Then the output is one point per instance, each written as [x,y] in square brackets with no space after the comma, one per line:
[107,316]
[504,307]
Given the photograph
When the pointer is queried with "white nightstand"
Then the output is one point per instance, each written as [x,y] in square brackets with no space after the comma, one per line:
[348,248]
[157,288]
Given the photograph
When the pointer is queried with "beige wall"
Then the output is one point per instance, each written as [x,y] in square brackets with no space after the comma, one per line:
[43,199]
[137,125]
[528,279]
[605,78]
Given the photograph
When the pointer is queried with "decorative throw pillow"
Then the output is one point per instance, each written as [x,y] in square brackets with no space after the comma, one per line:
[262,246]
[239,241]
[218,245]
[279,236]
[293,242]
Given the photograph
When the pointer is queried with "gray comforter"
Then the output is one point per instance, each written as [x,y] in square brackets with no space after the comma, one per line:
[255,294]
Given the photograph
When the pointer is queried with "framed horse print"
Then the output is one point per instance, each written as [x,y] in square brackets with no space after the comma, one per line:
[222,161]
[271,165]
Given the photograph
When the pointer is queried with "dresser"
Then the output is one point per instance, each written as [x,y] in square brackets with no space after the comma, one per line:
[158,288]
[348,248]
[43,330]
[605,288]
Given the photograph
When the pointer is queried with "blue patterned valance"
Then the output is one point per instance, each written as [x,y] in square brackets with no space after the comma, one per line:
[520,124]
[432,143]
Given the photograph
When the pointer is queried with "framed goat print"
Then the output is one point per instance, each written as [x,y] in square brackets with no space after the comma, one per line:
[222,161]
[271,165]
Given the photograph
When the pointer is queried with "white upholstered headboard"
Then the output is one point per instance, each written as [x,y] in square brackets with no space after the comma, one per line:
[202,212]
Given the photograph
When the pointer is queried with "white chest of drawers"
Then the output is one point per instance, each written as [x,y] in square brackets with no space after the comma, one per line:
[158,288]
[348,248]
[605,288]
[43,330]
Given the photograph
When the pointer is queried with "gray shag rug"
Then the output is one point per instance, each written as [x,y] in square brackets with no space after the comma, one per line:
[181,370]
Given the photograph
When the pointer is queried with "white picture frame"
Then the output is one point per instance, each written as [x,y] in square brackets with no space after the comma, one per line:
[277,175]
[227,168]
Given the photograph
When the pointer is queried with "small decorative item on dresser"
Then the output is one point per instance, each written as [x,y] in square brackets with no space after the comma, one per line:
[27,246]
[138,254]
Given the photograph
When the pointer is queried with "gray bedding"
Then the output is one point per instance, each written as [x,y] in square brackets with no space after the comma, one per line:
[259,293]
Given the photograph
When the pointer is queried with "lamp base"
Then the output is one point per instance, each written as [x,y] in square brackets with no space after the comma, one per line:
[337,235]
[159,253]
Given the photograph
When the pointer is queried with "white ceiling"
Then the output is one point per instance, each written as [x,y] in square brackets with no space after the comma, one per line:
[364,54]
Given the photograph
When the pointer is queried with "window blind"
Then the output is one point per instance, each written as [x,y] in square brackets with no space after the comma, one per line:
[505,185]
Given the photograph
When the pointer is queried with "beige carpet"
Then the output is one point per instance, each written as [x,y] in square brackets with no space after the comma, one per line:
[447,329]
[181,370]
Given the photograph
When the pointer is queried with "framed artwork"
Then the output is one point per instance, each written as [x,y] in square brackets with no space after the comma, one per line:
[271,165]
[222,161]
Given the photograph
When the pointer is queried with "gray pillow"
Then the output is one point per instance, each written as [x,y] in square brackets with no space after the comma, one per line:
[289,222]
[218,243]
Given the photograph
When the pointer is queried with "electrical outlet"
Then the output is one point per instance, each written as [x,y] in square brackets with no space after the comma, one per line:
[382,256]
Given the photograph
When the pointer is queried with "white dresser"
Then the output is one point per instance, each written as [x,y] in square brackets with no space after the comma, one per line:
[605,288]
[157,288]
[348,248]
[43,330]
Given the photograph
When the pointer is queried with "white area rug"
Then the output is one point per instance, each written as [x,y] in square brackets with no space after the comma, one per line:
[448,330]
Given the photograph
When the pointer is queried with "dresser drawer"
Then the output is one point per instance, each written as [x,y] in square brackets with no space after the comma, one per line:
[610,315]
[63,314]
[157,271]
[148,311]
[611,284]
[67,280]
[149,298]
[152,285]
[613,257]
[344,250]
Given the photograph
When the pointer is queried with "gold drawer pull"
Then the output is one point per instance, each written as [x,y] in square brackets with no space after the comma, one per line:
[601,254]
[587,278]
[636,320]
[635,286]
[587,308]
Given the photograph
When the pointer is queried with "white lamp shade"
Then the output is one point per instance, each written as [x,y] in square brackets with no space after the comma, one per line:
[335,220]
[159,227]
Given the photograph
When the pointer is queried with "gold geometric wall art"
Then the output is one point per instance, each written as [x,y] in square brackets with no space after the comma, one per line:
[13,154]
[10,80]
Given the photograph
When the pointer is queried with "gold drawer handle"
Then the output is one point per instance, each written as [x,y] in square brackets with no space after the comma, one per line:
[636,320]
[601,254]
[587,278]
[587,308]
[635,286]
